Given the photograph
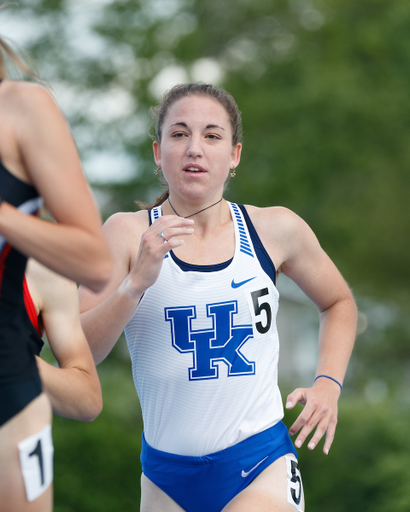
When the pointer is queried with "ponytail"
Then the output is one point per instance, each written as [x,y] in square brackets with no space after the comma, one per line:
[158,201]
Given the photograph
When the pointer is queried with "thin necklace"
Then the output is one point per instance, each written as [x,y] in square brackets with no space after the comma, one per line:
[192,214]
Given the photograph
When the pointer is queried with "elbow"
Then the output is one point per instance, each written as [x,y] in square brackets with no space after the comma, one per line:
[93,410]
[98,275]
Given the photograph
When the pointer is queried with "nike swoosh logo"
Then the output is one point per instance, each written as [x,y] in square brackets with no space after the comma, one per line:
[237,285]
[244,474]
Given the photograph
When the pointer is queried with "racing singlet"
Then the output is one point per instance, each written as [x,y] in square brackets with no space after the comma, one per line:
[17,362]
[204,348]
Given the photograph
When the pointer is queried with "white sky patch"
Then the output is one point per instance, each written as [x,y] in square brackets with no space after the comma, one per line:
[240,52]
[110,105]
[98,3]
[161,9]
[19,28]
[207,70]
[100,106]
[110,167]
[82,16]
[168,33]
[167,78]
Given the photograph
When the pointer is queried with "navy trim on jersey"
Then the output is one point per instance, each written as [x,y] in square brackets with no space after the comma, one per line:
[244,245]
[262,254]
[188,267]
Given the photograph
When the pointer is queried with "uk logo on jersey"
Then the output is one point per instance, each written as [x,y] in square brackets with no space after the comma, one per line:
[221,343]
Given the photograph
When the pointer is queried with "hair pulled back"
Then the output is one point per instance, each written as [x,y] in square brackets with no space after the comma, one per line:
[159,112]
[180,91]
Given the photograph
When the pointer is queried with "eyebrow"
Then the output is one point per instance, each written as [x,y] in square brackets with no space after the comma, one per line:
[181,123]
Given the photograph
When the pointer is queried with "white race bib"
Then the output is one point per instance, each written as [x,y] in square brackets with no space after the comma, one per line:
[36,458]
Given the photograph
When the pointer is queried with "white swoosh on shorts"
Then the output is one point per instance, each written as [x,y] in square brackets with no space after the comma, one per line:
[244,474]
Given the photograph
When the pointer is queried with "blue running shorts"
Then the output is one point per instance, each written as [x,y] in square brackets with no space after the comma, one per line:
[208,483]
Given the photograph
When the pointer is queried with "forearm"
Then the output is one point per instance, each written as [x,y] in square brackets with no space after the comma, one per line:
[72,251]
[74,392]
[338,326]
[104,324]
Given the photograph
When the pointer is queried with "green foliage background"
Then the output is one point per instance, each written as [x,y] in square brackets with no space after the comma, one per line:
[323,86]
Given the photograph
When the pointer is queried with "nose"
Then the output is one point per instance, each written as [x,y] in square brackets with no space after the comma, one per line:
[195,146]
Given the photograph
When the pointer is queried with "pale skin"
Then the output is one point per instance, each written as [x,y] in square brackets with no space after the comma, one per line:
[196,153]
[36,146]
[72,389]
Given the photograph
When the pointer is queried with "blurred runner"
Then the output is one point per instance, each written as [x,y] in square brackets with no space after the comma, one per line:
[38,159]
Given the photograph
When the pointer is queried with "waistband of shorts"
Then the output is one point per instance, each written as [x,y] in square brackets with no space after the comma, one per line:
[278,433]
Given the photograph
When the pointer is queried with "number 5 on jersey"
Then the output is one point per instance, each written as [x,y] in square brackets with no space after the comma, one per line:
[262,310]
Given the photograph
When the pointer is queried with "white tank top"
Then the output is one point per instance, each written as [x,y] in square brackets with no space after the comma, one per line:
[204,348]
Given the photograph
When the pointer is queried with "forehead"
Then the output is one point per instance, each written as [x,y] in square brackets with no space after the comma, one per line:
[197,110]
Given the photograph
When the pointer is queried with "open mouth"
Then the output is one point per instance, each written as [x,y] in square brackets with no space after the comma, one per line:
[194,169]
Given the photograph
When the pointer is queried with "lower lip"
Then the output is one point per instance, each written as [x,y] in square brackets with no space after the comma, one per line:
[194,173]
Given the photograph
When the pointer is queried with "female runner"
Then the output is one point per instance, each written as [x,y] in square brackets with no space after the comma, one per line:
[38,159]
[194,288]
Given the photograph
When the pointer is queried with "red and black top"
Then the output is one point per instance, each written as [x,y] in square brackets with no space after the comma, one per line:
[17,361]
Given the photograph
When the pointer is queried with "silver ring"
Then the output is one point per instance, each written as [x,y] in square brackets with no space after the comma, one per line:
[161,234]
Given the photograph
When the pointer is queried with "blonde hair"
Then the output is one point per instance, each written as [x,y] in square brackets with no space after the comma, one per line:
[20,64]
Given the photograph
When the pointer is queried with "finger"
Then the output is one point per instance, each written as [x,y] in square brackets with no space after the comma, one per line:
[319,433]
[306,422]
[296,396]
[306,430]
[322,419]
[171,221]
[330,435]
[168,233]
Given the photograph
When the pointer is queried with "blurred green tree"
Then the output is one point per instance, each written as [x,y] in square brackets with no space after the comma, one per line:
[322,85]
[323,89]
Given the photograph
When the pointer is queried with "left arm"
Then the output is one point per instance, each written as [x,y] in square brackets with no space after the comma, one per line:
[297,253]
[73,388]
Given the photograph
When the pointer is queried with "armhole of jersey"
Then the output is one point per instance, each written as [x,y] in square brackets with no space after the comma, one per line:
[30,308]
[261,253]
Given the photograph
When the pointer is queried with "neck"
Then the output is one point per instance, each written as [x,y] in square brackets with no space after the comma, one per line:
[194,213]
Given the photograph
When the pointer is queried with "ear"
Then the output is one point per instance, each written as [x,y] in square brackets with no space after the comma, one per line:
[157,152]
[236,155]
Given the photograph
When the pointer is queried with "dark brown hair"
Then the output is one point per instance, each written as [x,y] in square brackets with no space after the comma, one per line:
[178,92]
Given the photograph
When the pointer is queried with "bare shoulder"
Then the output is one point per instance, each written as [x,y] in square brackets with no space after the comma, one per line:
[283,233]
[30,109]
[27,96]
[275,220]
[123,232]
[126,226]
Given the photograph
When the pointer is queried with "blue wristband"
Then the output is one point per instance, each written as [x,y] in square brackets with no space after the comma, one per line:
[331,378]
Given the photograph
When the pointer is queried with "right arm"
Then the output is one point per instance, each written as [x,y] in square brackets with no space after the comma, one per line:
[73,387]
[41,151]
[138,255]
